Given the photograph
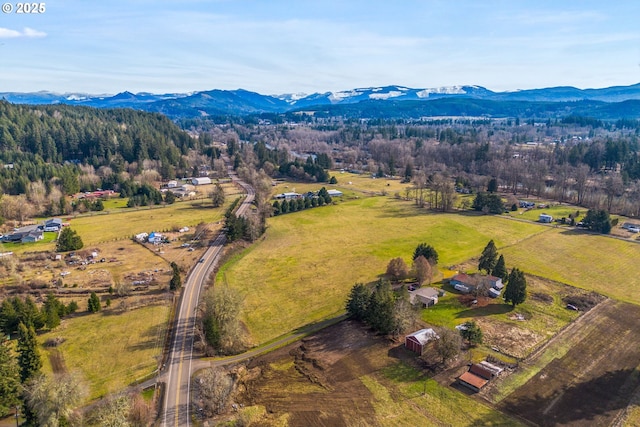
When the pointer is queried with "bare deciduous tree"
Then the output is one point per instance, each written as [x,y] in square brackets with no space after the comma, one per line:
[397,269]
[423,270]
[214,386]
[448,344]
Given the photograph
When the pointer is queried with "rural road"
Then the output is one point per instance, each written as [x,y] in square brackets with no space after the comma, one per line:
[178,369]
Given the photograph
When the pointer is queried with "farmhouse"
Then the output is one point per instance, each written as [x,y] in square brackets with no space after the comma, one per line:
[469,283]
[179,192]
[203,180]
[53,224]
[545,218]
[32,236]
[476,377]
[424,296]
[418,340]
[27,234]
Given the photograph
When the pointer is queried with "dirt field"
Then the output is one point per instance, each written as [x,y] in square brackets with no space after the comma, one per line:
[594,381]
[347,376]
[316,381]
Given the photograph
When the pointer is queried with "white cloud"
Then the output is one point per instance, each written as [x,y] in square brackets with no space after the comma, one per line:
[6,33]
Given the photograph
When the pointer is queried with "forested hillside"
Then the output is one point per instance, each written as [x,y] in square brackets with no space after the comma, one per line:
[38,143]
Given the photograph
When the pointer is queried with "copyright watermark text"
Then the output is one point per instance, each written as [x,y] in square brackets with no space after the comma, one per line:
[24,8]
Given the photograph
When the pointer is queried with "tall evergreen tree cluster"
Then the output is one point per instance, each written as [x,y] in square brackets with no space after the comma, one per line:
[381,308]
[38,140]
[598,220]
[302,203]
[491,263]
[176,281]
[426,251]
[14,311]
[69,240]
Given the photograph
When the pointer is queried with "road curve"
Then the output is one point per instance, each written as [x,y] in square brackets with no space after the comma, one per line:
[177,372]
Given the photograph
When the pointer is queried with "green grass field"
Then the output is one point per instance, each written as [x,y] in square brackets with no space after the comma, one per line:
[308,261]
[126,222]
[589,261]
[556,211]
[112,350]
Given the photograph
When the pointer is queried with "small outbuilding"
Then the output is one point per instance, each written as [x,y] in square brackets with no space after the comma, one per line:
[476,377]
[172,184]
[334,193]
[418,340]
[424,296]
[544,218]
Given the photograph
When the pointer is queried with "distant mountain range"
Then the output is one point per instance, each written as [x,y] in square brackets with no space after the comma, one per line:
[387,101]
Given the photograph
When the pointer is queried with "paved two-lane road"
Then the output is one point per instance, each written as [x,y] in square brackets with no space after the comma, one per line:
[179,362]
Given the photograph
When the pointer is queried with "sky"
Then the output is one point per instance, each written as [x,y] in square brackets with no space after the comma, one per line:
[307,46]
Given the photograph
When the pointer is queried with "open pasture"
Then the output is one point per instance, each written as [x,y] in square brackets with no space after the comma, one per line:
[606,265]
[112,351]
[126,222]
[302,270]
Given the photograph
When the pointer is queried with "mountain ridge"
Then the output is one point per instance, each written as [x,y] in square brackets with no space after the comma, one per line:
[218,102]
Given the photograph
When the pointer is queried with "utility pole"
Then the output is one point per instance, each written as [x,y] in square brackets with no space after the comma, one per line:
[17,415]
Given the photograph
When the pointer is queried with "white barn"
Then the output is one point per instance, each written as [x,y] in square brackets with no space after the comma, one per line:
[203,180]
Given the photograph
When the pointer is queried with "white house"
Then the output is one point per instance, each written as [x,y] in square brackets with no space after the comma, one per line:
[203,180]
[172,184]
[545,218]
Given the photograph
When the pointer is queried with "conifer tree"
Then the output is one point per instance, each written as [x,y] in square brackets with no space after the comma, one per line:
[488,258]
[516,291]
[94,303]
[500,269]
[9,380]
[28,355]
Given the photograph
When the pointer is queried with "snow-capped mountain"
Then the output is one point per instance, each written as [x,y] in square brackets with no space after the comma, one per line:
[241,102]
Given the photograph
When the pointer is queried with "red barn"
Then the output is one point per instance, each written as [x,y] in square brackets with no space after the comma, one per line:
[418,340]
